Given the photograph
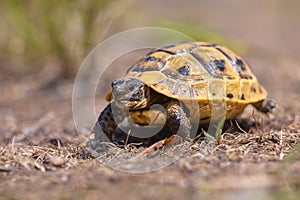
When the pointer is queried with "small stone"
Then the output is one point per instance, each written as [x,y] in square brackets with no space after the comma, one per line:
[57,161]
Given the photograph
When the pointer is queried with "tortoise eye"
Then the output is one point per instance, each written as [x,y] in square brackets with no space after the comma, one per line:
[113,84]
[117,82]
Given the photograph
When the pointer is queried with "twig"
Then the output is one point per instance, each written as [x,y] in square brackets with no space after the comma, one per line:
[127,137]
[237,124]
[280,144]
[255,120]
[159,145]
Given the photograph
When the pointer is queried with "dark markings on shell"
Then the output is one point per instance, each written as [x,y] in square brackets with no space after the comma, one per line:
[243,97]
[219,64]
[165,51]
[252,89]
[246,76]
[138,68]
[151,59]
[198,79]
[184,70]
[208,45]
[233,64]
[229,96]
[240,63]
[207,66]
[230,78]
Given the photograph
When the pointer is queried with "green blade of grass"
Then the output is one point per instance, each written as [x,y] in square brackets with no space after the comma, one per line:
[218,131]
[220,127]
[209,136]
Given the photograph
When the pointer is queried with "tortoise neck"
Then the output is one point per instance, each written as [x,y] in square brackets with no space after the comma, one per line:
[155,97]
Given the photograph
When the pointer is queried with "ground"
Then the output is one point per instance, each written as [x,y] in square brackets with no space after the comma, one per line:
[42,155]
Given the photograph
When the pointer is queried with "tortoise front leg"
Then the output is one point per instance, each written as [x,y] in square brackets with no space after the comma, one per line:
[107,129]
[159,124]
[106,124]
[169,116]
[177,120]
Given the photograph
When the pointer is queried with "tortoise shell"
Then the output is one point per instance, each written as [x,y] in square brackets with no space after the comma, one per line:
[200,71]
[183,71]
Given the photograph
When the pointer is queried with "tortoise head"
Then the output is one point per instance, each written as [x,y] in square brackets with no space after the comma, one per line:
[130,93]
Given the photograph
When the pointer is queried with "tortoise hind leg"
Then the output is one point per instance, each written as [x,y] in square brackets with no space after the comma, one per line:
[265,106]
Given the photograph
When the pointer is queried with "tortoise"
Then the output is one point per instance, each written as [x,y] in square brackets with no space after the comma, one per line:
[173,74]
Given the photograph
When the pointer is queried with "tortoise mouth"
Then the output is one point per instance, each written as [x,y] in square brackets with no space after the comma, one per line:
[132,104]
[128,101]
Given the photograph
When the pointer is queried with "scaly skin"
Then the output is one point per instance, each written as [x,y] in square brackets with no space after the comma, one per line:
[175,116]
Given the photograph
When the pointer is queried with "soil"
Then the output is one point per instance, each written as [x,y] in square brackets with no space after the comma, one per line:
[42,155]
